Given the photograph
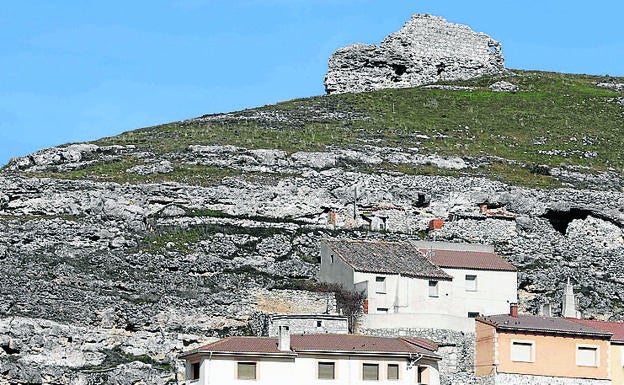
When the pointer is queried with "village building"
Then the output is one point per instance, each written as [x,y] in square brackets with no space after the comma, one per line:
[519,349]
[308,324]
[421,284]
[313,359]
[616,350]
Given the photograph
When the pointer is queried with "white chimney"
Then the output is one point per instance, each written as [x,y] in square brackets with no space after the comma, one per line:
[283,344]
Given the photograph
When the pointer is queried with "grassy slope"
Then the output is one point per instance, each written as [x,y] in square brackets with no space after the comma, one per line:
[555,119]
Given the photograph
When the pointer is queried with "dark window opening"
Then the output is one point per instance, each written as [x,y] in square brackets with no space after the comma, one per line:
[473,314]
[195,371]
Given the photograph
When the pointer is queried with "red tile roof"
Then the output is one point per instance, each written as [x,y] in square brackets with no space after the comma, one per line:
[350,343]
[547,325]
[617,328]
[477,260]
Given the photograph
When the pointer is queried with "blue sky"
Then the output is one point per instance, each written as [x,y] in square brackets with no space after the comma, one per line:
[78,70]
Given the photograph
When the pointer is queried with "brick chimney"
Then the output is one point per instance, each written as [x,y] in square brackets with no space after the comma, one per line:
[513,310]
[283,344]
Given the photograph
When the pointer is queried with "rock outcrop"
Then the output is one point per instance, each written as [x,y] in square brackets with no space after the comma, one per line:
[426,50]
[105,280]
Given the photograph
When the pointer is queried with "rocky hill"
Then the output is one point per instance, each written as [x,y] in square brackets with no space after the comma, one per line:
[119,254]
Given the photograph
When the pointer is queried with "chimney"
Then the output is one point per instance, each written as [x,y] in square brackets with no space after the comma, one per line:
[513,310]
[283,344]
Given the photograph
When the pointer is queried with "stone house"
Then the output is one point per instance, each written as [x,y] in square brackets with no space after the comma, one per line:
[518,349]
[308,324]
[421,284]
[313,359]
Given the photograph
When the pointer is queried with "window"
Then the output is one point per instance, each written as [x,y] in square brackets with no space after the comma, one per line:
[246,370]
[586,355]
[421,375]
[382,310]
[331,259]
[380,284]
[523,351]
[393,371]
[473,314]
[326,370]
[433,288]
[194,372]
[370,372]
[471,282]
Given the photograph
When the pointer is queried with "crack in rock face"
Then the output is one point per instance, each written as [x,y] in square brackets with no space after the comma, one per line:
[426,50]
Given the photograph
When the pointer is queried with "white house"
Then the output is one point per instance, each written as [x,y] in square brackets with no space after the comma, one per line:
[421,284]
[310,359]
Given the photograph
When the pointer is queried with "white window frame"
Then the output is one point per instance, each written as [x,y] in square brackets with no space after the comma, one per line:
[474,286]
[596,350]
[434,290]
[522,342]
[380,284]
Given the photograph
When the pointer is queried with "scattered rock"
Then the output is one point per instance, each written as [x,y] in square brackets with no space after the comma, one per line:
[612,86]
[162,167]
[504,86]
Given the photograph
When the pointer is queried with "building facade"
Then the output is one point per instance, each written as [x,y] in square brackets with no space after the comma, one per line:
[313,359]
[421,284]
[616,348]
[524,349]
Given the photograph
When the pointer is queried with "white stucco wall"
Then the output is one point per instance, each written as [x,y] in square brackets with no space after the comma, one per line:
[495,291]
[303,370]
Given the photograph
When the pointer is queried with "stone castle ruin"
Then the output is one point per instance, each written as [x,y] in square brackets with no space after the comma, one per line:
[426,50]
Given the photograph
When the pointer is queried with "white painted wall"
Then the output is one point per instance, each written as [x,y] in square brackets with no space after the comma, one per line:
[495,291]
[303,370]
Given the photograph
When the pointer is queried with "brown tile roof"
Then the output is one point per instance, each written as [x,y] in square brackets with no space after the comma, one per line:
[547,325]
[477,260]
[386,257]
[617,328]
[346,343]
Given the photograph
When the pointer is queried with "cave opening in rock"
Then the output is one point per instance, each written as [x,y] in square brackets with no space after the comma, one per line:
[441,67]
[399,69]
[561,219]
[8,350]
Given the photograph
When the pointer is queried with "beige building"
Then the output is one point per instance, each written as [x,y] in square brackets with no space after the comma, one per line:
[524,349]
[616,350]
[421,284]
[314,359]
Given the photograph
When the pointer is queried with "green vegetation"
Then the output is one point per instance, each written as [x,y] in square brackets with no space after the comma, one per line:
[555,119]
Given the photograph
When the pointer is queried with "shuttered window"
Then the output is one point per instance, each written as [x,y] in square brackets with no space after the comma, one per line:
[246,370]
[522,351]
[587,355]
[393,371]
[471,282]
[381,284]
[370,372]
[433,288]
[326,370]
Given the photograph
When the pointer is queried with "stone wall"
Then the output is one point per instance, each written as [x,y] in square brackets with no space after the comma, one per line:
[521,379]
[309,324]
[455,348]
[427,49]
